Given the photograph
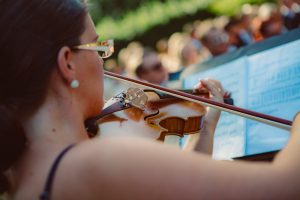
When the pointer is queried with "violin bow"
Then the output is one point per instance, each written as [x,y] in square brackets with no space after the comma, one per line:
[260,117]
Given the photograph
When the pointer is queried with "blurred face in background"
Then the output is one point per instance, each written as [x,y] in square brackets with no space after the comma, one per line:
[271,27]
[189,54]
[152,70]
[217,42]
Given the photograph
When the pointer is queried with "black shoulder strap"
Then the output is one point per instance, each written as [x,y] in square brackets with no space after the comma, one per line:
[48,186]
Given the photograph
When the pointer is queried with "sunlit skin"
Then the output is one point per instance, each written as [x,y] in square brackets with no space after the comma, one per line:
[120,168]
[90,72]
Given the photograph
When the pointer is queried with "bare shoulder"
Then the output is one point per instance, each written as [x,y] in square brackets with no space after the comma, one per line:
[131,152]
[122,168]
[119,167]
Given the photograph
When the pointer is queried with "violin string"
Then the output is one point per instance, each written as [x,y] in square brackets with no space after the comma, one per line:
[281,125]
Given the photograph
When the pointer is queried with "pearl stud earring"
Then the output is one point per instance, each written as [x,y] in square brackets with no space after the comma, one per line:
[74,84]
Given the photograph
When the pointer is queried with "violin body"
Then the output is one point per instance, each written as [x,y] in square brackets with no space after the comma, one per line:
[160,119]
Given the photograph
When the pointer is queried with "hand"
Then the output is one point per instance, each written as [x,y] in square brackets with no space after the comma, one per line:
[214,87]
[216,93]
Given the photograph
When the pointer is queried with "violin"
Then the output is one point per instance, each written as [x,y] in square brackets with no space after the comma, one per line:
[128,100]
[158,116]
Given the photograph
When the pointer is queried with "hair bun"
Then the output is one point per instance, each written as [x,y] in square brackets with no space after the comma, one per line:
[12,142]
[3,183]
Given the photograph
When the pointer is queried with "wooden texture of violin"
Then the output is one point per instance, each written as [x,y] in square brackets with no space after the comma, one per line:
[179,126]
[175,117]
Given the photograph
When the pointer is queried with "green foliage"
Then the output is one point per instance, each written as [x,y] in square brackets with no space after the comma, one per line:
[146,16]
[232,7]
[126,19]
[113,8]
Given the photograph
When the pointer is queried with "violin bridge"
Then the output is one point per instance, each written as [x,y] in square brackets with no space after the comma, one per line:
[136,97]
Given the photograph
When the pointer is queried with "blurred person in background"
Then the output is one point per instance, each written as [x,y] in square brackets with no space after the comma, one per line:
[238,34]
[151,69]
[272,26]
[190,54]
[195,38]
[175,44]
[114,66]
[166,59]
[290,11]
[217,42]
[130,57]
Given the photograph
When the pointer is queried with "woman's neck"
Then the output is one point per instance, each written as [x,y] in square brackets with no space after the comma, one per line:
[56,123]
[54,126]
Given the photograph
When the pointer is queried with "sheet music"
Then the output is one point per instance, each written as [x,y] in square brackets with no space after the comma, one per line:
[274,89]
[266,82]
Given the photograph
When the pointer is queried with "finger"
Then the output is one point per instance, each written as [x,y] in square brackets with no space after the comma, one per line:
[199,86]
[215,93]
[211,87]
[217,84]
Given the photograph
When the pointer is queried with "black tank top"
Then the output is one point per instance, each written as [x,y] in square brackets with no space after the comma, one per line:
[51,175]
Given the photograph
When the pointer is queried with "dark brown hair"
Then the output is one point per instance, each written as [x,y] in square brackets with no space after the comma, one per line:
[31,35]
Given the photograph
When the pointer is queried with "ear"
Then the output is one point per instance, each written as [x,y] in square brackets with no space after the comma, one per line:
[66,65]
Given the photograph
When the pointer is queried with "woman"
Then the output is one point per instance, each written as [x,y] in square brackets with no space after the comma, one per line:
[50,84]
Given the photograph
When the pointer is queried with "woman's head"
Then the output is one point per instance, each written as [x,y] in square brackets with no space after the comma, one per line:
[32,34]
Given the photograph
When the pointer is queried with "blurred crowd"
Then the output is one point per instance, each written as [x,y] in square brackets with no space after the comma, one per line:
[200,41]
